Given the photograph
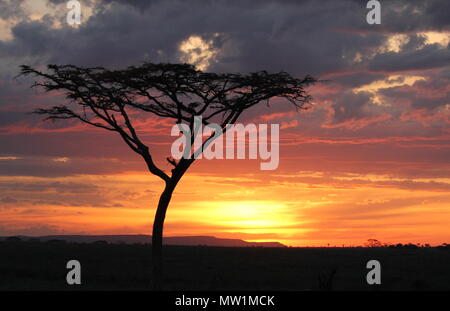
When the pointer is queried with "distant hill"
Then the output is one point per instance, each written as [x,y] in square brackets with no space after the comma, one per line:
[141,239]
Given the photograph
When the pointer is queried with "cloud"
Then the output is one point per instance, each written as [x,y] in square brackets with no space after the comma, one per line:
[430,56]
[48,167]
[10,9]
[383,108]
[430,94]
[299,36]
[33,230]
[354,111]
[8,200]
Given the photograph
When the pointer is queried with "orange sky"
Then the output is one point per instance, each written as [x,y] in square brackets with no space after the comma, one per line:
[370,159]
[324,191]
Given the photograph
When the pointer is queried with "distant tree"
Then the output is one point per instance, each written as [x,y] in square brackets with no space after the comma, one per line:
[444,246]
[411,245]
[105,98]
[373,243]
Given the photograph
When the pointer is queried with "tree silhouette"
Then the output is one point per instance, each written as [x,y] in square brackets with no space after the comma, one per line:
[104,98]
[373,243]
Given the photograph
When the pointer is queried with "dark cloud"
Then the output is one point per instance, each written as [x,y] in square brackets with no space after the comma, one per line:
[430,56]
[11,9]
[302,36]
[351,106]
[25,193]
[355,80]
[53,186]
[415,42]
[33,230]
[414,15]
[8,200]
[316,37]
[355,111]
[48,167]
[428,94]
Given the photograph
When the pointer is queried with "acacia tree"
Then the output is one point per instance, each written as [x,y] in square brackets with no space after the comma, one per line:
[108,99]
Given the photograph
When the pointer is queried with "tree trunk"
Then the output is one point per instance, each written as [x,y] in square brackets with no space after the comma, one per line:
[157,236]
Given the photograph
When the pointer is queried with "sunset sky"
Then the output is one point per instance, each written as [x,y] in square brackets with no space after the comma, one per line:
[369,159]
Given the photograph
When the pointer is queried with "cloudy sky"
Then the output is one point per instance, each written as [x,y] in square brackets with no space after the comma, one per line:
[370,159]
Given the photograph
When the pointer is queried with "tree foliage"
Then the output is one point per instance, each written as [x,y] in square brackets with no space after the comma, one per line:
[104,98]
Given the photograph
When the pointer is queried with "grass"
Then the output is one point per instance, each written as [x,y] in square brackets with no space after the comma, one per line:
[42,266]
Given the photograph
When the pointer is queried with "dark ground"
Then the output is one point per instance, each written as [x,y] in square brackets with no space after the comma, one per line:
[42,266]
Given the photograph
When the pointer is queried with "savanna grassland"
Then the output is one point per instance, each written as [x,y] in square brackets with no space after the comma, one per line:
[42,266]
